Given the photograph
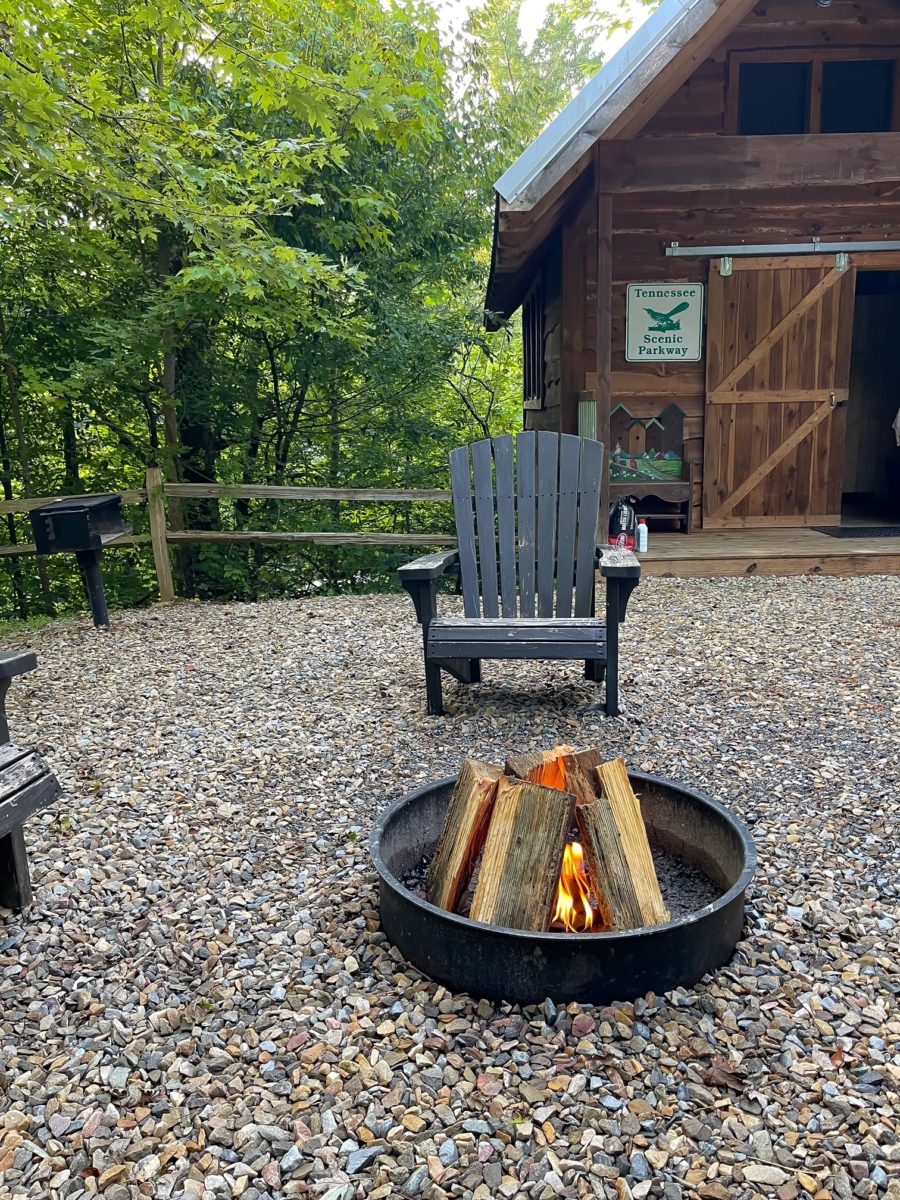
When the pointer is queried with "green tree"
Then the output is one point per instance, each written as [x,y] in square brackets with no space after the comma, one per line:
[249,241]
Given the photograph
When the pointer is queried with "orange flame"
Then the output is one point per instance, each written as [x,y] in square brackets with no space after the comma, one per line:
[573,905]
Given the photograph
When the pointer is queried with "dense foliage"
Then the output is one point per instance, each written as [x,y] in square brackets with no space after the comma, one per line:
[248,241]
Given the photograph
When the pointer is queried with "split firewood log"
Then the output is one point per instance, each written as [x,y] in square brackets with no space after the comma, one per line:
[618,851]
[522,856]
[540,766]
[462,838]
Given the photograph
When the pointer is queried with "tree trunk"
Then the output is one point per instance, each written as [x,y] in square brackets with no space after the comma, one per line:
[72,476]
[12,385]
[200,445]
[166,266]
[15,564]
[334,455]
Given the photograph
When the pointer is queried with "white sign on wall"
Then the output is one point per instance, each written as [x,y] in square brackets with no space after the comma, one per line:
[664,322]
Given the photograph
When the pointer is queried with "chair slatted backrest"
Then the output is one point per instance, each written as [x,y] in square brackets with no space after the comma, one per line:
[527,524]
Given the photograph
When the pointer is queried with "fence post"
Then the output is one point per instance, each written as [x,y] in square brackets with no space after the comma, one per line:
[156,508]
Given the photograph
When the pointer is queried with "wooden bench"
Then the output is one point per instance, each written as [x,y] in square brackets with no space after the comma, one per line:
[27,785]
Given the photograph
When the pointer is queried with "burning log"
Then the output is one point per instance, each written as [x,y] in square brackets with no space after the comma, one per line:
[579,773]
[618,851]
[573,772]
[465,830]
[523,853]
[539,766]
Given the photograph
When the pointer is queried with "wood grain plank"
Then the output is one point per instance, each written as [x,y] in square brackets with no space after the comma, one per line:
[245,536]
[692,164]
[461,483]
[526,493]
[547,501]
[26,505]
[506,523]
[569,484]
[604,341]
[254,491]
[779,396]
[35,795]
[589,495]
[485,520]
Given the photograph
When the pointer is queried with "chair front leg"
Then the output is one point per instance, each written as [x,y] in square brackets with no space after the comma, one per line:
[15,878]
[424,597]
[433,690]
[614,614]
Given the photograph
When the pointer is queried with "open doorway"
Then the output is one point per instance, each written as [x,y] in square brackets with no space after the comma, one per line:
[872,457]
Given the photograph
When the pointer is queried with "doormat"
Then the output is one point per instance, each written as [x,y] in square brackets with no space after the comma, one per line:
[859,531]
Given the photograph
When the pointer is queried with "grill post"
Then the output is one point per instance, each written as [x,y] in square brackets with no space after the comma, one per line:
[89,561]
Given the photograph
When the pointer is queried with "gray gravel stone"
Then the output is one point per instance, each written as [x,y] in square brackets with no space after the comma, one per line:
[416,1181]
[360,1159]
[448,1153]
[204,953]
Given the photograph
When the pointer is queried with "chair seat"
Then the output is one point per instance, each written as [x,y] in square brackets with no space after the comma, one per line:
[517,637]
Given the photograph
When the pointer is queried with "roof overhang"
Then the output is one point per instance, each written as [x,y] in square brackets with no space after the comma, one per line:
[616,103]
[588,106]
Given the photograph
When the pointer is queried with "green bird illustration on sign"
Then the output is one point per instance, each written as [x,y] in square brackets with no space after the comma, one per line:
[664,321]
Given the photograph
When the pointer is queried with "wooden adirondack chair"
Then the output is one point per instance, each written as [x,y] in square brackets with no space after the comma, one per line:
[527,557]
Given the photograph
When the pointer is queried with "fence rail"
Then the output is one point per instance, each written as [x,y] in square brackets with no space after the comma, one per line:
[157,491]
[262,491]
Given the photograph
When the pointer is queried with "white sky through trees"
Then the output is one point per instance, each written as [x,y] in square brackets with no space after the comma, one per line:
[532,13]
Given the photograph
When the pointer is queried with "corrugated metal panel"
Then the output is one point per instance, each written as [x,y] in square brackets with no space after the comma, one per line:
[585,106]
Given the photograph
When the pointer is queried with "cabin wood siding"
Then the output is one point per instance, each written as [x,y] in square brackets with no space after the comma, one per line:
[548,416]
[579,308]
[645,223]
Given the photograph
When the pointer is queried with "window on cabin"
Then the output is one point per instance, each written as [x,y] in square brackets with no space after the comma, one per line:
[857,97]
[774,97]
[824,94]
[533,346]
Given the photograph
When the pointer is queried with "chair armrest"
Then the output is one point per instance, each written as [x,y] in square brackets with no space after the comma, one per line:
[617,564]
[17,662]
[429,566]
[12,663]
[420,578]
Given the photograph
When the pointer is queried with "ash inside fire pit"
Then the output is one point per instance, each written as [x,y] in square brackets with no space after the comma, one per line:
[684,887]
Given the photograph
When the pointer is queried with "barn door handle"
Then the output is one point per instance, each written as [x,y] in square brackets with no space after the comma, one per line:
[833,401]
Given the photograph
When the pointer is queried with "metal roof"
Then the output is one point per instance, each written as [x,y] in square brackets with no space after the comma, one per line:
[581,110]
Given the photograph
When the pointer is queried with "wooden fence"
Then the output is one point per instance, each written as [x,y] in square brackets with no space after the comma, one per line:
[161,536]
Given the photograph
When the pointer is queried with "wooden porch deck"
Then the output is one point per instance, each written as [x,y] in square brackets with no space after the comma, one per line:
[768,552]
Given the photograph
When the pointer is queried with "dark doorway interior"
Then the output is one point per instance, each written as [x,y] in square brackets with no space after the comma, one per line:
[872,457]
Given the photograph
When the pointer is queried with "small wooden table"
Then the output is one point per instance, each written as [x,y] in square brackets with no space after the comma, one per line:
[677,492]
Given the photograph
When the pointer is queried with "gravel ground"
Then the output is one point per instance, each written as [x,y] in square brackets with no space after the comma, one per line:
[199,1002]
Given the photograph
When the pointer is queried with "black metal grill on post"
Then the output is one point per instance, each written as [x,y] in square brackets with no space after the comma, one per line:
[82,525]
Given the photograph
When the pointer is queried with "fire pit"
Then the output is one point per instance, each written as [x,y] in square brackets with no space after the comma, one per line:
[525,967]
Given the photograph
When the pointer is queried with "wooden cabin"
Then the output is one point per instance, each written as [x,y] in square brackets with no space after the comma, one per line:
[705,246]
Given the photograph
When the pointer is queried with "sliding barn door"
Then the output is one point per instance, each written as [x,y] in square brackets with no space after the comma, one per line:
[777,372]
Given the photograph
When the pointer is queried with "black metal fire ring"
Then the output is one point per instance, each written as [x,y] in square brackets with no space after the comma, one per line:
[596,968]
